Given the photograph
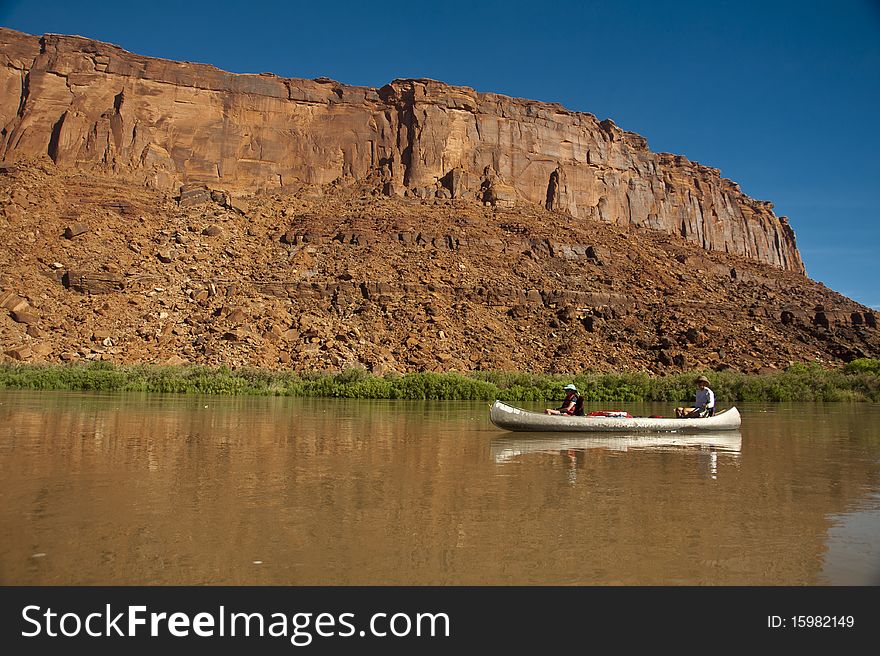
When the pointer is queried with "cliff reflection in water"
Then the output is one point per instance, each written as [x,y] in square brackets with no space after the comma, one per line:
[165,490]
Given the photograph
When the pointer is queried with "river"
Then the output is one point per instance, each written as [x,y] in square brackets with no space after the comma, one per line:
[99,489]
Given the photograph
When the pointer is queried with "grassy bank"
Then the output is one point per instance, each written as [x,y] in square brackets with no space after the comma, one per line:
[857,381]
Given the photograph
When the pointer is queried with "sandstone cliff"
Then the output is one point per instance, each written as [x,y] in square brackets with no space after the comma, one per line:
[166,124]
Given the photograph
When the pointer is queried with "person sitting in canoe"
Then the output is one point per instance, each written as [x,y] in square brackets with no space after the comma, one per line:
[705,402]
[572,404]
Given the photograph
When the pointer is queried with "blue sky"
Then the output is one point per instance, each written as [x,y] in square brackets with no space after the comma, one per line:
[782,96]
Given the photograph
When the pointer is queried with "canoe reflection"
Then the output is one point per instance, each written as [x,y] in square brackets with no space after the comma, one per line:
[507,448]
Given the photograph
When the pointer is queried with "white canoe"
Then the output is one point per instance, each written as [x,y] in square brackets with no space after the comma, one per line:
[515,419]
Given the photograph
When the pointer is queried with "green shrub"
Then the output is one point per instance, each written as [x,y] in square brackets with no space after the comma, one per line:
[863,366]
[858,380]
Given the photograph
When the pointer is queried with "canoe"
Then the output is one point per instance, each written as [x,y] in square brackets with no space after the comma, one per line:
[515,419]
[505,449]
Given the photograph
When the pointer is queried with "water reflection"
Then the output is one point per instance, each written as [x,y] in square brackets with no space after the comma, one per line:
[104,489]
[573,448]
[507,447]
[853,547]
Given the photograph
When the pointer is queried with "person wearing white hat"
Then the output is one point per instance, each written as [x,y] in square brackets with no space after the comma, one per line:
[572,404]
[705,401]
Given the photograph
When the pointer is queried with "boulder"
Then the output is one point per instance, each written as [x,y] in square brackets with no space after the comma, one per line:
[93,282]
[194,194]
[13,302]
[75,230]
[20,353]
[41,350]
[24,316]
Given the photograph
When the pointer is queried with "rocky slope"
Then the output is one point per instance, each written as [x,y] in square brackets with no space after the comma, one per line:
[95,266]
[167,124]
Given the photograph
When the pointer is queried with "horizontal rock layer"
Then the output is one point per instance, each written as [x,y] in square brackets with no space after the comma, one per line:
[87,103]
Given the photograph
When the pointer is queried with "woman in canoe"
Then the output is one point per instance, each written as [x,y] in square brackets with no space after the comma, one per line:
[572,404]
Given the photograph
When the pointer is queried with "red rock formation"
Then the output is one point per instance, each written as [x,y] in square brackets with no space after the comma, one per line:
[86,103]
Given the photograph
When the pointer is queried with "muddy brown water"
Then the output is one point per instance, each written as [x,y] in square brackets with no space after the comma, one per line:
[159,490]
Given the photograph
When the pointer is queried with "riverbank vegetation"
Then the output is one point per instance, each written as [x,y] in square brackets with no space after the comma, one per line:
[858,380]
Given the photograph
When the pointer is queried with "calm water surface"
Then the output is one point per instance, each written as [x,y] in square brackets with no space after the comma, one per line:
[152,489]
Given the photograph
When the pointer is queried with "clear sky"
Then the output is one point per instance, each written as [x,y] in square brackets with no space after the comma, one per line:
[782,96]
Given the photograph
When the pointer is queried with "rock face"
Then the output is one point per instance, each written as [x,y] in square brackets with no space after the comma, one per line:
[168,124]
